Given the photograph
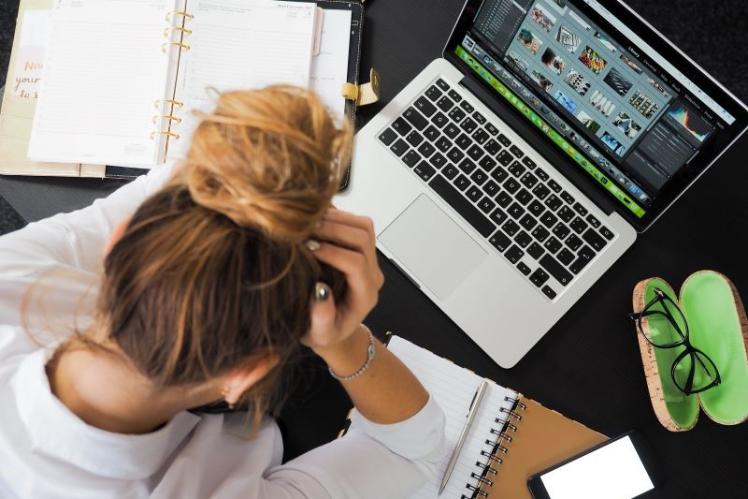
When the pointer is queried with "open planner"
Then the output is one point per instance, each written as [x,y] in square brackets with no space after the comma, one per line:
[511,438]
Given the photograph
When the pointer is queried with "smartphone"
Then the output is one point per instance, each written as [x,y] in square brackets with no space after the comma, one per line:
[621,468]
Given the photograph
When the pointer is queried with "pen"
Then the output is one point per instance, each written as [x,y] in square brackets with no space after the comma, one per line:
[477,397]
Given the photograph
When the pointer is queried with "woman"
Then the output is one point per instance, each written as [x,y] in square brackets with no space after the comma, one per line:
[213,276]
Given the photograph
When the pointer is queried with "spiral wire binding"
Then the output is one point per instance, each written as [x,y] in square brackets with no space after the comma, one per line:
[496,448]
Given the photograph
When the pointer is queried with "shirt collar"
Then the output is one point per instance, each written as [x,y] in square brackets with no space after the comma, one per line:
[56,431]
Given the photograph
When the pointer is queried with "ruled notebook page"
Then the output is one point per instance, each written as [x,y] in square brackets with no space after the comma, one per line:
[240,45]
[103,71]
[453,388]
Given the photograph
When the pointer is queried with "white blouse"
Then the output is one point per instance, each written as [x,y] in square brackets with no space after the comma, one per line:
[46,451]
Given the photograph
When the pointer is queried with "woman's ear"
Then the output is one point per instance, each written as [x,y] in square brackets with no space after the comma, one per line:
[241,379]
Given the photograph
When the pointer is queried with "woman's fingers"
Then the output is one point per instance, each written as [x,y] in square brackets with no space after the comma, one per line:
[348,236]
[322,316]
[363,285]
[344,217]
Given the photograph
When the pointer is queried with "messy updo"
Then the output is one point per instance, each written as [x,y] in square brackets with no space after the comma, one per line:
[212,269]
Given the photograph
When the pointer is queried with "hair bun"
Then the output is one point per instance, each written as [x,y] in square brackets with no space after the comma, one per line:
[270,159]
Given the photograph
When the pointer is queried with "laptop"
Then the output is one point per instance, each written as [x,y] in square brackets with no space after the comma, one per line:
[513,171]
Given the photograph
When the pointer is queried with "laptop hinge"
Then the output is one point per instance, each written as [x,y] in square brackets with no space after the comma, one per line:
[530,134]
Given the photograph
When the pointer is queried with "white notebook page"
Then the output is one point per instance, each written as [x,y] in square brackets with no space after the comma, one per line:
[453,387]
[103,71]
[330,66]
[237,45]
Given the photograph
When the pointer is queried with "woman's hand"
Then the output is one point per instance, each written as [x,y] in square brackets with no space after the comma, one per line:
[349,246]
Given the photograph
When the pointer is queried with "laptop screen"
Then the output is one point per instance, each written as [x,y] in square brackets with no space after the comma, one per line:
[616,106]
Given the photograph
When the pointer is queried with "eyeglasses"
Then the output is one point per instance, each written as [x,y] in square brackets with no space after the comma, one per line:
[692,370]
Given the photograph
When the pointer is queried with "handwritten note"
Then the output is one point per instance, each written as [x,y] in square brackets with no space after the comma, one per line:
[27,73]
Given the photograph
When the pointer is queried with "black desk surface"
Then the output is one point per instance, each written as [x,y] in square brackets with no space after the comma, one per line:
[588,366]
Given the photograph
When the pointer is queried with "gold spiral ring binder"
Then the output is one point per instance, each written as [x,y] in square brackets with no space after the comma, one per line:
[169,117]
[168,133]
[186,15]
[165,45]
[171,29]
[158,102]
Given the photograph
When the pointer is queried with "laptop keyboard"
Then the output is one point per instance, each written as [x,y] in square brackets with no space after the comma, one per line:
[525,214]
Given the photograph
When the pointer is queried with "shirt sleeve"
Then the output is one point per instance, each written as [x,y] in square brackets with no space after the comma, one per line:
[370,461]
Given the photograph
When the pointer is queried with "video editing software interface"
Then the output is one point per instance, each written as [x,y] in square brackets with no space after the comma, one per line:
[607,103]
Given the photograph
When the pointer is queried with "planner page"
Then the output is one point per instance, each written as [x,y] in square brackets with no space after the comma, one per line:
[453,388]
[237,45]
[330,66]
[103,71]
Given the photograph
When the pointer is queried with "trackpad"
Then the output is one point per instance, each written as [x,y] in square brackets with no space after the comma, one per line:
[432,247]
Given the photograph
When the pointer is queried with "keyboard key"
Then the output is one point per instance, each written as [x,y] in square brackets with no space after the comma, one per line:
[593,221]
[480,136]
[479,176]
[426,149]
[528,222]
[451,131]
[443,144]
[492,147]
[491,188]
[554,185]
[401,126]
[467,107]
[515,210]
[547,291]
[479,117]
[529,163]
[586,253]
[462,182]
[457,201]
[510,227]
[578,225]
[540,233]
[463,141]
[486,205]
[573,242]
[473,193]
[498,216]
[505,140]
[399,147]
[466,166]
[414,138]
[450,172]
[511,185]
[433,93]
[425,106]
[487,163]
[539,277]
[516,169]
[504,157]
[579,264]
[415,118]
[456,114]
[552,244]
[442,84]
[513,254]
[424,170]
[542,175]
[468,125]
[499,174]
[557,270]
[607,234]
[553,203]
[565,256]
[411,158]
[566,214]
[516,151]
[475,152]
[522,239]
[500,241]
[445,104]
[432,133]
[593,239]
[492,129]
[455,96]
[439,120]
[388,136]
[529,180]
[535,250]
[541,191]
[536,208]
[455,155]
[548,219]
[503,198]
[561,231]
[437,161]
[580,209]
[522,267]
[523,196]
[568,198]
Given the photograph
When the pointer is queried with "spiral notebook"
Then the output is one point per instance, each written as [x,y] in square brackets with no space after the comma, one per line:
[512,437]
